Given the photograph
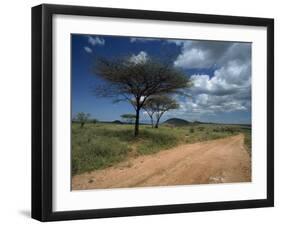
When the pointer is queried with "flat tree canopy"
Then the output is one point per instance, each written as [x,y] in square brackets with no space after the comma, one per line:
[82,118]
[125,79]
[130,118]
[157,105]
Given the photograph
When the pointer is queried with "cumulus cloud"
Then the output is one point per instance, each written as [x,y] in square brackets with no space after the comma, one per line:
[203,105]
[227,80]
[88,49]
[139,58]
[227,89]
[96,40]
[208,54]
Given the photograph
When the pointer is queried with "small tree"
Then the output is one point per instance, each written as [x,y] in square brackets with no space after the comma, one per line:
[94,121]
[135,81]
[129,118]
[157,105]
[82,118]
[148,107]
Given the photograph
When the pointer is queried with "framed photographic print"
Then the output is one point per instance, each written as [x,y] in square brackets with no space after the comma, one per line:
[146,112]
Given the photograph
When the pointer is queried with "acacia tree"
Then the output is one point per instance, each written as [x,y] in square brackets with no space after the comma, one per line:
[94,121]
[130,118]
[157,105]
[149,110]
[82,118]
[134,81]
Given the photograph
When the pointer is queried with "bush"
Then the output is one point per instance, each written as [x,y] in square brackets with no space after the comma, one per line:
[201,128]
[94,121]
[191,130]
[216,130]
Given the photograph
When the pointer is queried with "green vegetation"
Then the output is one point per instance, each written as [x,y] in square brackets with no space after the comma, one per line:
[82,118]
[99,145]
[93,149]
[94,120]
[135,81]
[247,138]
[128,118]
[156,105]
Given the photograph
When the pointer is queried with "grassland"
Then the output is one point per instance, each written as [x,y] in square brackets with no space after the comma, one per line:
[96,146]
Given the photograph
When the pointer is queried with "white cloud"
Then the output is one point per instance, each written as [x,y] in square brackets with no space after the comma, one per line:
[227,80]
[213,95]
[88,49]
[205,104]
[208,54]
[195,57]
[96,40]
[234,73]
[228,89]
[139,58]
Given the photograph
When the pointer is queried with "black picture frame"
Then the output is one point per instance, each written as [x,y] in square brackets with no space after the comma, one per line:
[42,111]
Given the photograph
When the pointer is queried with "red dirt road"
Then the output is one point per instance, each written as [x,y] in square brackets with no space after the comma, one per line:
[218,161]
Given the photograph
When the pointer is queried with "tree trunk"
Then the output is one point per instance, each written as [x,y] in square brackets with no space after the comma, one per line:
[158,118]
[157,122]
[151,121]
[137,122]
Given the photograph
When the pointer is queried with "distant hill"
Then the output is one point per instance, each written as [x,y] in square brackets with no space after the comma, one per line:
[177,122]
[223,124]
[117,122]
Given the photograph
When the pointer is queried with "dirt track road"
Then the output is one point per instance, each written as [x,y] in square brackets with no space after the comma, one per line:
[217,161]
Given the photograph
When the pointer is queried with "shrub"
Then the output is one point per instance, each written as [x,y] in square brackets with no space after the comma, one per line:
[94,121]
[201,128]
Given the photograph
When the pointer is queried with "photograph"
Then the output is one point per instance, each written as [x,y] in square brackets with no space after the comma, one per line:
[147,112]
[151,111]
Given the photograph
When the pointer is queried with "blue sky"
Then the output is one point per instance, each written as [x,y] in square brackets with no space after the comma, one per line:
[220,72]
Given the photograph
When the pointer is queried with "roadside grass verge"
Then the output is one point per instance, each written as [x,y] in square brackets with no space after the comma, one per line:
[100,145]
[247,139]
[91,151]
[153,140]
